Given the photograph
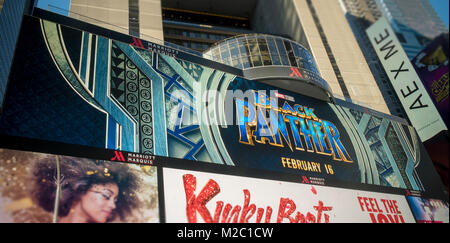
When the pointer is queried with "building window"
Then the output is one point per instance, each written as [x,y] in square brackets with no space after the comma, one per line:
[330,54]
[205,18]
[133,15]
[400,37]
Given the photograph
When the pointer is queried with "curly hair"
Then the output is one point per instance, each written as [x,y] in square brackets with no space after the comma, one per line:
[77,177]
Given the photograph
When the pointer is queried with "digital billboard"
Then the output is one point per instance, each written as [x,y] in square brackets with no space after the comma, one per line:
[431,65]
[194,197]
[85,184]
[77,84]
[44,188]
[429,210]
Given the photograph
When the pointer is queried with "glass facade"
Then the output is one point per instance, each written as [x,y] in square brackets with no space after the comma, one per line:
[200,30]
[195,39]
[254,50]
[415,22]
[10,20]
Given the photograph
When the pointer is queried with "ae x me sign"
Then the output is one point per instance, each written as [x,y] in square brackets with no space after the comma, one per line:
[409,88]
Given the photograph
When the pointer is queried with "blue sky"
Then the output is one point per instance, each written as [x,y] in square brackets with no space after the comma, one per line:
[55,4]
[441,7]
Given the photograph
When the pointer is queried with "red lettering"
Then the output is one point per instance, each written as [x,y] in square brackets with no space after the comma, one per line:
[313,190]
[259,215]
[226,211]
[367,204]
[391,206]
[382,219]
[396,207]
[268,214]
[372,205]
[310,218]
[361,203]
[320,208]
[287,207]
[219,205]
[378,208]
[395,219]
[193,203]
[300,218]
[197,204]
[246,209]
[290,205]
[385,206]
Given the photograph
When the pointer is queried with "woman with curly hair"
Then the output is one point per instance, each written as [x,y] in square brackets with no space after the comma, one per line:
[89,191]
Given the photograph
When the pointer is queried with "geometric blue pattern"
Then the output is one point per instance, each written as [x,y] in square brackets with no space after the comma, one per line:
[179,130]
[40,104]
